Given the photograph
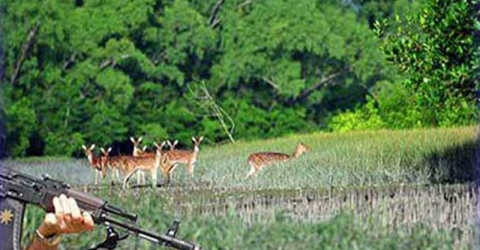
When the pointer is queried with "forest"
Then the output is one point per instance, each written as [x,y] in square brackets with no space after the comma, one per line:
[100,71]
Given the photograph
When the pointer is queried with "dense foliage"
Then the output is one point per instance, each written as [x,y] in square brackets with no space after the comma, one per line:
[435,48]
[100,71]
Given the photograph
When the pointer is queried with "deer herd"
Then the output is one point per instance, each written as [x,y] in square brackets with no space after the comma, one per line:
[141,161]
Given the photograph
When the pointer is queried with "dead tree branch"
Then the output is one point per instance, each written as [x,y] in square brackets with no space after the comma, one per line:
[271,83]
[306,92]
[323,82]
[213,21]
[70,61]
[206,100]
[107,63]
[27,46]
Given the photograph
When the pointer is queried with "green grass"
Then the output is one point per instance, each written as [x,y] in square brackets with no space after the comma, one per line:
[347,159]
[294,205]
[414,218]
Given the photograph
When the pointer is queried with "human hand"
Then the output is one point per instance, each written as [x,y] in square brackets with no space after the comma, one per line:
[67,219]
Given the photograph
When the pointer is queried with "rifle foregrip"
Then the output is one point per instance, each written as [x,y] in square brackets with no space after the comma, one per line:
[85,201]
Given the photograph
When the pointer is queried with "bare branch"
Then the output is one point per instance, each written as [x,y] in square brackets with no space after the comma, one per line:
[216,23]
[107,63]
[323,82]
[112,62]
[244,4]
[271,83]
[215,110]
[306,92]
[25,49]
[70,61]
[213,21]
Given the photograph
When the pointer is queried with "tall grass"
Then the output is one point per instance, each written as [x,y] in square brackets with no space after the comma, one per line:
[347,159]
[390,187]
[437,217]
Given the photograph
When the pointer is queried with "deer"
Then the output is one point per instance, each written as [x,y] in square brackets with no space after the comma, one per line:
[172,145]
[189,158]
[134,164]
[259,160]
[95,162]
[115,163]
[166,166]
[137,151]
[172,167]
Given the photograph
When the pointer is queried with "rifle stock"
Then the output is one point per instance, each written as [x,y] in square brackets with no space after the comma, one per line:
[17,190]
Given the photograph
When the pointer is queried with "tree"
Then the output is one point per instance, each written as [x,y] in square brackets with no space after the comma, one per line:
[434,48]
[101,71]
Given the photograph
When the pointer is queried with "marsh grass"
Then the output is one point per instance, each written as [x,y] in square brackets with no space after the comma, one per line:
[296,204]
[356,158]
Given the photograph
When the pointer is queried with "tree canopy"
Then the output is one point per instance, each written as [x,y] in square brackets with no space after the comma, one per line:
[80,72]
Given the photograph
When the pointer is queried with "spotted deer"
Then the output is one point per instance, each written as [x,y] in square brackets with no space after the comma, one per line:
[166,167]
[259,160]
[114,163]
[141,163]
[189,158]
[137,151]
[95,162]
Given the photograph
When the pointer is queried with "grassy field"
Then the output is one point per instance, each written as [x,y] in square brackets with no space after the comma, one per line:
[362,190]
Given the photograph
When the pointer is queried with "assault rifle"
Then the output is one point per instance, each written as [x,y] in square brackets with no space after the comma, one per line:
[17,190]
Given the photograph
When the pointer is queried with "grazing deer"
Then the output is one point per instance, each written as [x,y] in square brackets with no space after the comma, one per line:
[134,164]
[189,158]
[259,160]
[137,151]
[95,162]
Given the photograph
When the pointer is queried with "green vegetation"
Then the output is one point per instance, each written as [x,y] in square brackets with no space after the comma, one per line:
[100,71]
[435,49]
[340,232]
[374,190]
[382,91]
[337,159]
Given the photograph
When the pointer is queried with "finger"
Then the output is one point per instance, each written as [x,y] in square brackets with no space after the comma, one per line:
[58,207]
[88,221]
[66,208]
[76,215]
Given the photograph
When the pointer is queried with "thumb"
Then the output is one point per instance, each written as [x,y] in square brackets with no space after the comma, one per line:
[50,220]
[49,226]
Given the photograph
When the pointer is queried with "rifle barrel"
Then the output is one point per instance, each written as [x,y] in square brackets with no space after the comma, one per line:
[159,239]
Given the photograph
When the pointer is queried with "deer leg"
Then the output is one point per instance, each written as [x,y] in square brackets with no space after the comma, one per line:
[117,172]
[165,176]
[170,172]
[143,178]
[252,171]
[127,178]
[138,178]
[190,167]
[104,172]
[96,177]
[113,173]
[154,177]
